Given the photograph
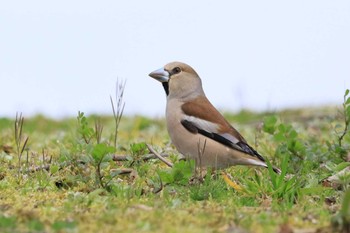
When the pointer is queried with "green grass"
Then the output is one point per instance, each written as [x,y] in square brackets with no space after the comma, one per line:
[83,189]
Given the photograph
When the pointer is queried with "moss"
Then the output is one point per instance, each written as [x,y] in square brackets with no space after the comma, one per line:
[67,197]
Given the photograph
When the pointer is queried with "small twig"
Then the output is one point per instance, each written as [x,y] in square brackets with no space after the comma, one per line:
[43,155]
[99,173]
[27,160]
[125,171]
[345,131]
[159,156]
[144,157]
[36,169]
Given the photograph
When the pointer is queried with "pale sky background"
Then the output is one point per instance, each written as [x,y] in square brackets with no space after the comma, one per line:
[61,57]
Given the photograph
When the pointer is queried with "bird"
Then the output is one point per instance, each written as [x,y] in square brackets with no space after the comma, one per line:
[196,128]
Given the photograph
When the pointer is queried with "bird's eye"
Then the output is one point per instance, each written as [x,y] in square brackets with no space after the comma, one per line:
[176,70]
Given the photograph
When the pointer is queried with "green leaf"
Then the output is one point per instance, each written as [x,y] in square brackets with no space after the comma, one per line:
[348,111]
[347,101]
[166,177]
[273,175]
[279,137]
[282,128]
[101,150]
[80,115]
[284,168]
[35,226]
[54,169]
[346,93]
[179,174]
[270,124]
[341,166]
[138,148]
[345,209]
[61,225]
[293,134]
[312,190]
[299,147]
[7,222]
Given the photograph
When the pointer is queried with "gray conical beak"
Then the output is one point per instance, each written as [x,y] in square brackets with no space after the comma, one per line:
[161,75]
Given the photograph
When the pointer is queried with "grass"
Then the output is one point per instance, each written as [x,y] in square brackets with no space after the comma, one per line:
[60,176]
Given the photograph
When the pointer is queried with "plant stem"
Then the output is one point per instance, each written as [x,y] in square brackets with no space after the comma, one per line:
[120,108]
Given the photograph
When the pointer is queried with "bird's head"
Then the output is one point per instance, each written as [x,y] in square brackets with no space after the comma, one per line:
[179,80]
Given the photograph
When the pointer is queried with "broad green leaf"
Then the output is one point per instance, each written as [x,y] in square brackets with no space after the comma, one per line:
[138,148]
[101,150]
[345,209]
[293,134]
[36,226]
[63,225]
[348,111]
[282,128]
[273,175]
[269,124]
[341,166]
[279,137]
[54,169]
[299,147]
[7,222]
[347,101]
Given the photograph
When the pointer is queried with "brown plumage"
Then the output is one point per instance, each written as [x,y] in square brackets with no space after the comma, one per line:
[202,108]
[192,121]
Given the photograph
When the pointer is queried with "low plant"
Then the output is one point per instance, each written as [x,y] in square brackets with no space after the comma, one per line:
[118,110]
[20,141]
[341,221]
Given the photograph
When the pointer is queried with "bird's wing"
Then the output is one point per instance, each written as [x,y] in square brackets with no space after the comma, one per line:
[200,116]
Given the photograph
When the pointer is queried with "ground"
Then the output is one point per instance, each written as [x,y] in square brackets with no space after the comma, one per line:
[73,175]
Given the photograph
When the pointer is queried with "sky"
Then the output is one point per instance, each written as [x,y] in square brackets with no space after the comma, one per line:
[61,57]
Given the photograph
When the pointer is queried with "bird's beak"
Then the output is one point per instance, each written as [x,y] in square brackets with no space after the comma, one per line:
[161,75]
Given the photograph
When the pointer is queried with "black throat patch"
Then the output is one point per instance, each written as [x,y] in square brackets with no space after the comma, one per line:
[166,88]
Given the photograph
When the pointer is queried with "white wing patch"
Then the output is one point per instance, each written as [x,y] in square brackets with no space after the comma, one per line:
[230,137]
[210,127]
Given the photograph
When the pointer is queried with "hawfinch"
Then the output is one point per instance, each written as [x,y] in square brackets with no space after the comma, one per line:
[196,128]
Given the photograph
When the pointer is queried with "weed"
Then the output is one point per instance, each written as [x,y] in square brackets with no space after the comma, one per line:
[84,130]
[7,224]
[283,188]
[60,226]
[21,143]
[179,174]
[346,116]
[209,189]
[341,221]
[98,130]
[77,183]
[102,155]
[118,113]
